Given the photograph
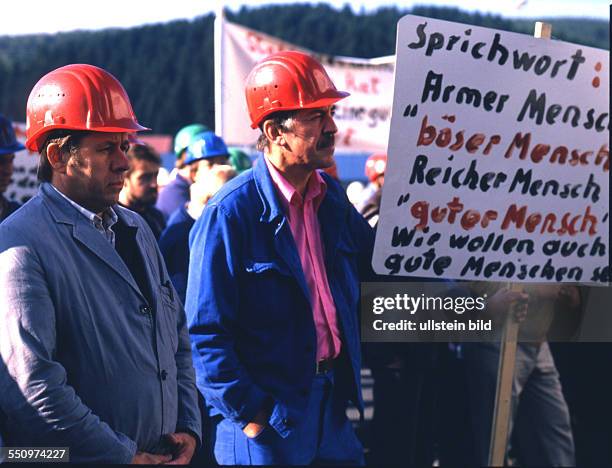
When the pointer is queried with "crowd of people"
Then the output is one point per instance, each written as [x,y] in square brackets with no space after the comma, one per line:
[217,320]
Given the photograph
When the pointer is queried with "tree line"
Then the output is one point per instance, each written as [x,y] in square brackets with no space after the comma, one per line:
[168,68]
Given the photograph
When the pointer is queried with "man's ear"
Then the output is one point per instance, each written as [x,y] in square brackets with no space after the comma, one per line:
[57,159]
[273,133]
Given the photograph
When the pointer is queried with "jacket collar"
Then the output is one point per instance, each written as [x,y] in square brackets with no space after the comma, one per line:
[333,208]
[272,207]
[65,213]
[59,208]
[85,233]
[332,216]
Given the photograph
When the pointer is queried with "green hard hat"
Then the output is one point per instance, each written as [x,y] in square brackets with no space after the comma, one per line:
[239,159]
[184,137]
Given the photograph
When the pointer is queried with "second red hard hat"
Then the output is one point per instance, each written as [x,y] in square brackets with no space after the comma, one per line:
[288,80]
[376,164]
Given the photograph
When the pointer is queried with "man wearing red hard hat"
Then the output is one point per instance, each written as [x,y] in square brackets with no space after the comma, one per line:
[273,289]
[93,340]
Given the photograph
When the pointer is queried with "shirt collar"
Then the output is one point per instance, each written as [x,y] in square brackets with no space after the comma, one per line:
[315,190]
[107,220]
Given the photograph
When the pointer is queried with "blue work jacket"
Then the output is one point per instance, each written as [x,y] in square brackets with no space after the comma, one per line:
[88,359]
[248,310]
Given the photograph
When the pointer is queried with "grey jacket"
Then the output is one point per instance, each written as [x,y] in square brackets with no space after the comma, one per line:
[85,363]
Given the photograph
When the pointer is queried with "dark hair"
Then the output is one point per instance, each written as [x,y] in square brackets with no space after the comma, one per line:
[69,142]
[280,119]
[142,153]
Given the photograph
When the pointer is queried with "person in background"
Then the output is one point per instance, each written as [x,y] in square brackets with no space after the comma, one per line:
[176,192]
[273,290]
[94,350]
[8,147]
[401,371]
[354,191]
[174,241]
[540,415]
[369,206]
[205,152]
[139,191]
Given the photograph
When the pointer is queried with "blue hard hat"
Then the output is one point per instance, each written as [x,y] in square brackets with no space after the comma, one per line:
[205,145]
[8,141]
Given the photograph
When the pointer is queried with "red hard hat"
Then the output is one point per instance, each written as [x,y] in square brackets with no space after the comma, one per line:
[78,97]
[375,166]
[288,80]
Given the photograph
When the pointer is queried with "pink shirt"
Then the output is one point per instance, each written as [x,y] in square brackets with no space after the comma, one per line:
[304,224]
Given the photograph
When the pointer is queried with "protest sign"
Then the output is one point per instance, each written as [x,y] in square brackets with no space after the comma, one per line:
[363,118]
[24,184]
[498,157]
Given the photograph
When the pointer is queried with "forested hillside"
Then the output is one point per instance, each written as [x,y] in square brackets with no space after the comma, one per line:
[167,69]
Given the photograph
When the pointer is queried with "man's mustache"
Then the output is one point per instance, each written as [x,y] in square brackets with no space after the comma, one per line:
[327,140]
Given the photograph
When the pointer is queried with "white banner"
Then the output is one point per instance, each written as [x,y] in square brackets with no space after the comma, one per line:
[362,118]
[25,184]
[498,158]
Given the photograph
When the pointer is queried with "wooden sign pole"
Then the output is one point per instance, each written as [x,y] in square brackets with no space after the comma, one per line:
[507,357]
[503,394]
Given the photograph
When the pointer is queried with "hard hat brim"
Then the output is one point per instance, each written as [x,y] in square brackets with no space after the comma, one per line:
[323,102]
[35,142]
[11,149]
[211,155]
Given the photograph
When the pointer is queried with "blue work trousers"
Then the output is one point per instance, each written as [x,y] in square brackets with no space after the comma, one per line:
[324,436]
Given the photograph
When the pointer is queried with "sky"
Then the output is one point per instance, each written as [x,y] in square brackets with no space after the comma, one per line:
[43,16]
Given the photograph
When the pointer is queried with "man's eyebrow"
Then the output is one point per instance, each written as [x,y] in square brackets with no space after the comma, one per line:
[317,111]
[112,142]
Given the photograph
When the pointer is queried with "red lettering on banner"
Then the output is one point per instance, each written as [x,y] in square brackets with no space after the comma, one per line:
[257,44]
[369,86]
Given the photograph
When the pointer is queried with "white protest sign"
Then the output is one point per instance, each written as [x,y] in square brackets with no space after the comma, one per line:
[363,118]
[498,157]
[24,183]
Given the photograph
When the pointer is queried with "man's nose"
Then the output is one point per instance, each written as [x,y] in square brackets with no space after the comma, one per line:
[120,160]
[330,124]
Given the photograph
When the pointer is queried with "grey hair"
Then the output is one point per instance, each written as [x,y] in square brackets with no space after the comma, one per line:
[282,120]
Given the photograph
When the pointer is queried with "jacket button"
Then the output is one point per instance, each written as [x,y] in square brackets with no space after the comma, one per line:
[304,393]
[163,374]
[309,348]
[145,309]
